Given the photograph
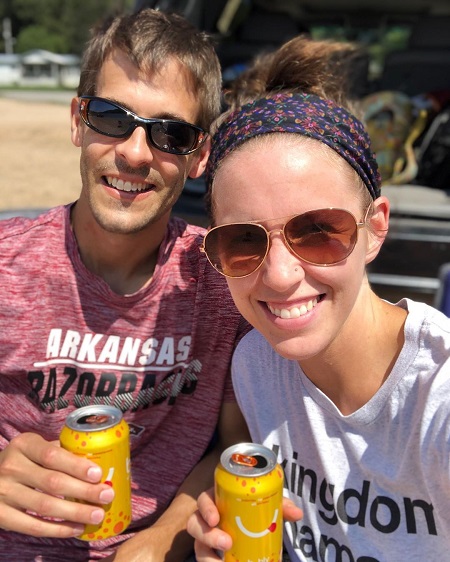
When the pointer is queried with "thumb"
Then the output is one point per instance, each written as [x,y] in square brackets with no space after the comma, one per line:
[291,512]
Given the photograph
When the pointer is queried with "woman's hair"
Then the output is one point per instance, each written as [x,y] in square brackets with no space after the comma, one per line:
[302,89]
[302,65]
[150,39]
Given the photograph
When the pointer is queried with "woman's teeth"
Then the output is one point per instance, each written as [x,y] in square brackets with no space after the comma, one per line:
[126,185]
[295,311]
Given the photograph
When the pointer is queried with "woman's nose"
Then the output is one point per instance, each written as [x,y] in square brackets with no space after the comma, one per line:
[281,268]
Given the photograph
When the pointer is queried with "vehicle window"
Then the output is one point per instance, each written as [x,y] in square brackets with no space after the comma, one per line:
[379,40]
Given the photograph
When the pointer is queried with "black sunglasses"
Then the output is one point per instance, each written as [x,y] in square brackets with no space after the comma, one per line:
[320,237]
[168,135]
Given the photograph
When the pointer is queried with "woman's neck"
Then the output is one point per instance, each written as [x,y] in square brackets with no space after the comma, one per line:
[359,361]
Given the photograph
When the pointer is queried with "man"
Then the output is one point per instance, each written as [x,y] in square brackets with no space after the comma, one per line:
[109,301]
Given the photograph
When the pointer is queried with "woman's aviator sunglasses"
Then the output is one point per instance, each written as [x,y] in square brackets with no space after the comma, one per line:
[111,119]
[321,237]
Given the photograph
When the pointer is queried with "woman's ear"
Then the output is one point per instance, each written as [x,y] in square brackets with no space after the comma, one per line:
[200,159]
[75,122]
[377,226]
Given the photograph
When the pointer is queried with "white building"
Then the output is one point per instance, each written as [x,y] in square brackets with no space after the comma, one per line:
[39,68]
[10,70]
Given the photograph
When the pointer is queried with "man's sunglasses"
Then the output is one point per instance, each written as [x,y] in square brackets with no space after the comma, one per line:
[111,119]
[320,237]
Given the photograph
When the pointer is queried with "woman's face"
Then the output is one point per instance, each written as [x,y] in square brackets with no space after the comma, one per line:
[280,178]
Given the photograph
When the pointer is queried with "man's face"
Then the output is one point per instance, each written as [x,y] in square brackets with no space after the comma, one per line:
[127,184]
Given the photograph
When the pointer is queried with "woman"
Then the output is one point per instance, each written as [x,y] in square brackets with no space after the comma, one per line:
[349,390]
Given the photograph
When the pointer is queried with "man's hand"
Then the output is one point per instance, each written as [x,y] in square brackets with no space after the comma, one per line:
[35,476]
[202,526]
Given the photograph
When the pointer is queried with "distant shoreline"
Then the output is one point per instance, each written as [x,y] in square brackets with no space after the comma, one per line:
[39,96]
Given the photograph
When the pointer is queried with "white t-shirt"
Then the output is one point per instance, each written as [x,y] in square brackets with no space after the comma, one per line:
[374,485]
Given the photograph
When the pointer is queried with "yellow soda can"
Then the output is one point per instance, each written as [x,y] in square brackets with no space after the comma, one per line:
[249,492]
[100,434]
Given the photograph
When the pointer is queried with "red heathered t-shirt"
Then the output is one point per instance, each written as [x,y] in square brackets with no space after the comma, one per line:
[161,355]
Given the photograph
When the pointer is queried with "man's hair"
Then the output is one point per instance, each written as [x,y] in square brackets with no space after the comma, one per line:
[150,39]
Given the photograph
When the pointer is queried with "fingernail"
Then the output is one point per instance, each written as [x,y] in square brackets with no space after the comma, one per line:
[223,543]
[94,473]
[97,516]
[78,530]
[106,496]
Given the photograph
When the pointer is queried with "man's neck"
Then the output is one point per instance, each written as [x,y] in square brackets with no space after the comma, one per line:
[126,262]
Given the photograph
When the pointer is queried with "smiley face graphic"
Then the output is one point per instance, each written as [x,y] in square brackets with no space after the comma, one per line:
[270,529]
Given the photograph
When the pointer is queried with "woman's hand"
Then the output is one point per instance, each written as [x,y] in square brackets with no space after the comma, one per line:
[202,525]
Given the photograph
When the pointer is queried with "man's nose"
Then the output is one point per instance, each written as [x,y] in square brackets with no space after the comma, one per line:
[136,149]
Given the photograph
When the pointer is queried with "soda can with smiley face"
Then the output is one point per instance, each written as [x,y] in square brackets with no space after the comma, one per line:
[249,493]
[100,434]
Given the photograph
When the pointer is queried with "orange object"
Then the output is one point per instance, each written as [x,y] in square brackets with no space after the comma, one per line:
[249,493]
[100,434]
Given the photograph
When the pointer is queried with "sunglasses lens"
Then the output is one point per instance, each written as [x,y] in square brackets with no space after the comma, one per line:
[108,119]
[236,250]
[170,136]
[322,237]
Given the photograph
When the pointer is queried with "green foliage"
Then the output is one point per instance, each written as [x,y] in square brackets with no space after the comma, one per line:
[38,37]
[60,26]
[379,40]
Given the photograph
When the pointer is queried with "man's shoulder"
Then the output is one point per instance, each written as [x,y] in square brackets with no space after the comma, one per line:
[22,226]
[179,227]
[183,242]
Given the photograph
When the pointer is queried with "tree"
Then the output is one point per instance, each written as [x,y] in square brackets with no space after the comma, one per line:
[61,26]
[37,37]
[78,22]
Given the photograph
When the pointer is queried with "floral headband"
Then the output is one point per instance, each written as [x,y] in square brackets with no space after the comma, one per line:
[303,114]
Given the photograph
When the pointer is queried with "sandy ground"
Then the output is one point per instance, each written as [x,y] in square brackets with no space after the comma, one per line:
[39,164]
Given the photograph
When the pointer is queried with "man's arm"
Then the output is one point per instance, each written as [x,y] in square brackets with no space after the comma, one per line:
[167,540]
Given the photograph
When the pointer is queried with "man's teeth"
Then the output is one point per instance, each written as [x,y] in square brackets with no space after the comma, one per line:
[126,185]
[295,311]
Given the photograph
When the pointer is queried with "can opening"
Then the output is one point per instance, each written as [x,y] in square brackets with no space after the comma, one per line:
[93,419]
[249,460]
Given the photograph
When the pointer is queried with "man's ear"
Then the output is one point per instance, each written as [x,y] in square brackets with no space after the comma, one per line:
[75,122]
[200,159]
[377,226]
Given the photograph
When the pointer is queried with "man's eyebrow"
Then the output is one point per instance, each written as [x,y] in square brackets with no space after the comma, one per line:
[161,115]
[172,116]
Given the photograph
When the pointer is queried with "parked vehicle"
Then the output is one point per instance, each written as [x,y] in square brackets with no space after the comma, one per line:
[406,55]
[402,81]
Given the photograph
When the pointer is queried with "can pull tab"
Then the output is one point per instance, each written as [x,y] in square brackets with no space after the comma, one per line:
[244,460]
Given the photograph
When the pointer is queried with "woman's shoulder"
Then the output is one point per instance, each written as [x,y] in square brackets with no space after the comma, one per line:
[425,315]
[427,331]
